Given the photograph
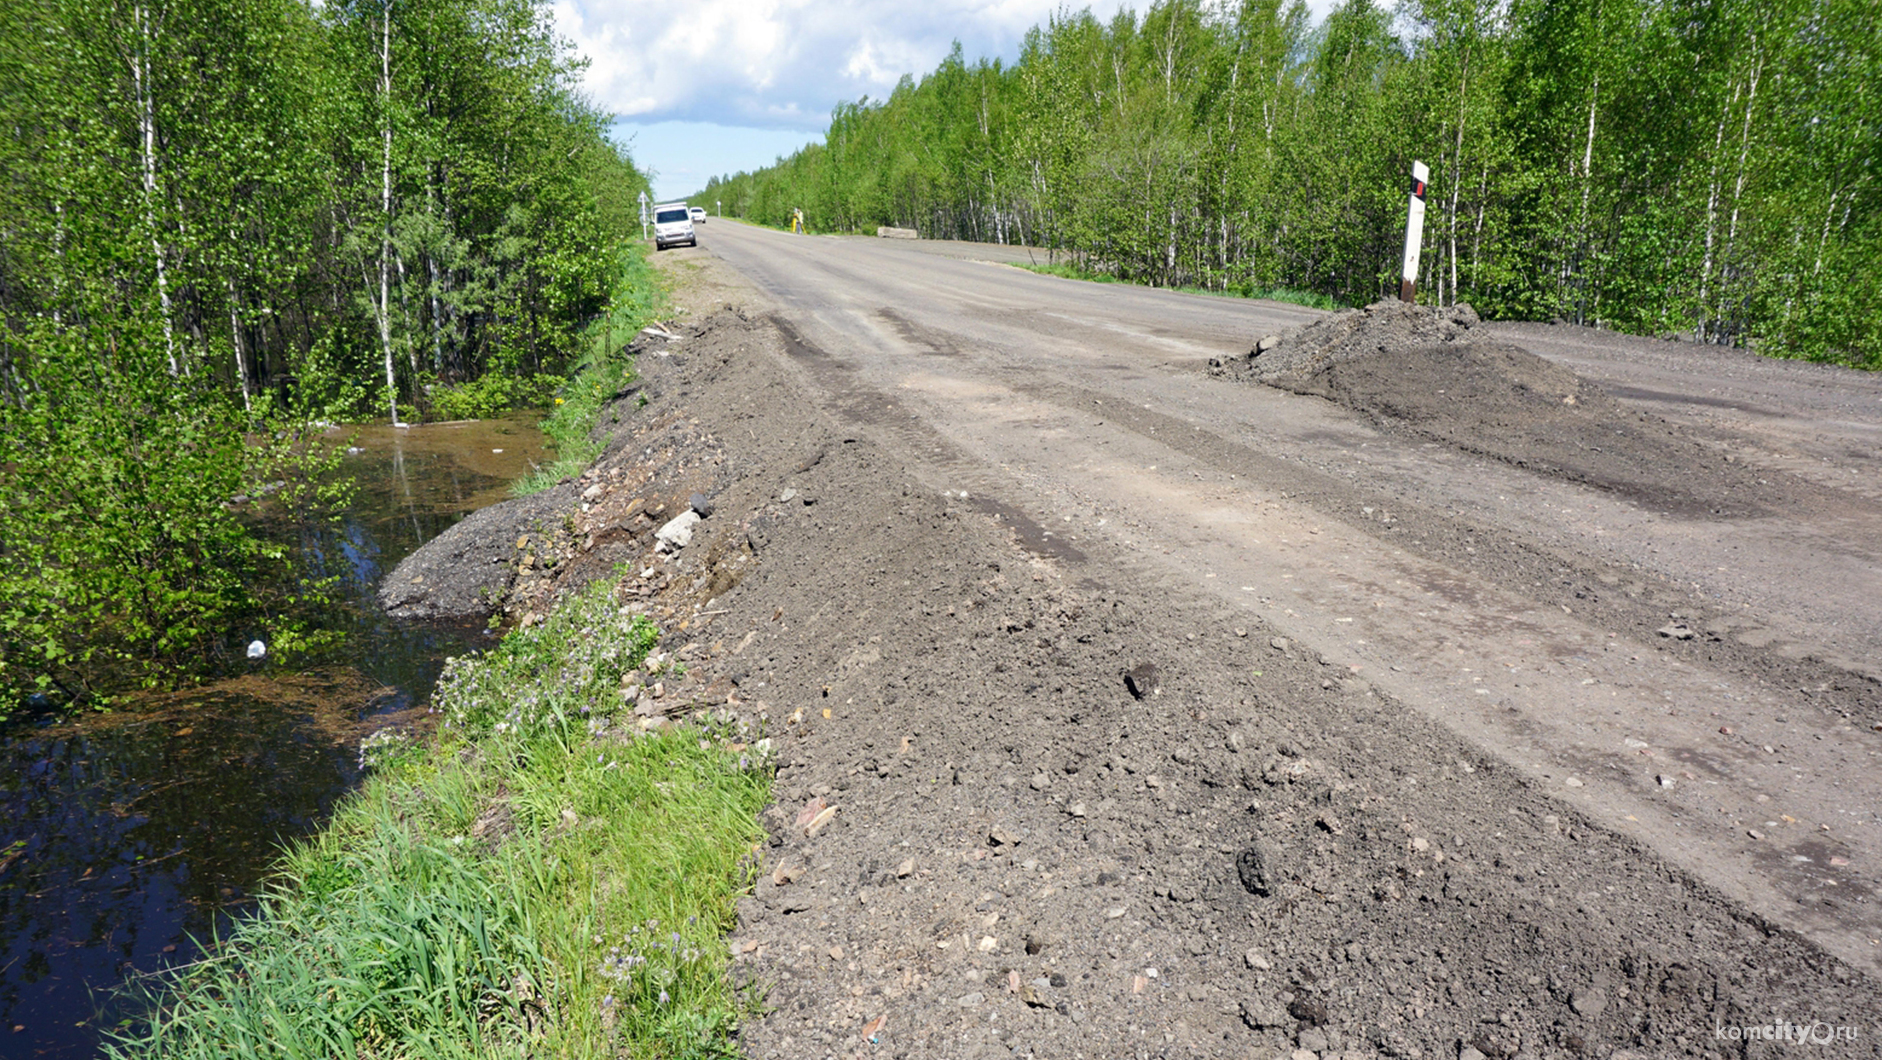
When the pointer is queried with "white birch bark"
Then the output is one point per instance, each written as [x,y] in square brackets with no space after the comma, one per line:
[385,206]
[1587,179]
[1712,223]
[1744,159]
[235,338]
[1457,168]
[147,150]
[1823,240]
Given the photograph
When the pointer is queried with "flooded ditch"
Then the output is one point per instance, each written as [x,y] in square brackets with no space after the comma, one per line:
[126,838]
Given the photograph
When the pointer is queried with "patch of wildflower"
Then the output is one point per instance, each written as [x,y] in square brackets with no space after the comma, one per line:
[737,736]
[549,676]
[652,963]
[386,748]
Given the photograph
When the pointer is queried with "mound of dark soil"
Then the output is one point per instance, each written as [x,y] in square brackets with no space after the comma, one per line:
[466,571]
[1381,327]
[1425,371]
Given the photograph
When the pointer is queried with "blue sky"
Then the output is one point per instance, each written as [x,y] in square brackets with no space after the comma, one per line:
[685,154]
[717,86]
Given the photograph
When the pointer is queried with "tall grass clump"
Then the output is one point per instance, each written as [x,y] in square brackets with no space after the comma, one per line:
[1067,271]
[602,373]
[1310,299]
[542,880]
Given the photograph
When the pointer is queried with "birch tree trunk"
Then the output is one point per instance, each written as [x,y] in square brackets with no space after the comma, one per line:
[235,338]
[1587,187]
[147,152]
[385,207]
[1703,326]
[1738,187]
[1457,170]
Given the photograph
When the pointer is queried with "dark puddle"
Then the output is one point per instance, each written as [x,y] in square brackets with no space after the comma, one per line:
[126,837]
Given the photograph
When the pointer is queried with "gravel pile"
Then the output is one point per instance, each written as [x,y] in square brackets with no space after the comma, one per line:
[1305,353]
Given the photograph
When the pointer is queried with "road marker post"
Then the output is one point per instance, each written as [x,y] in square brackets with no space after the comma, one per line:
[1414,233]
[643,215]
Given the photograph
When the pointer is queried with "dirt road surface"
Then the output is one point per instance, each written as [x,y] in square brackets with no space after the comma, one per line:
[1166,714]
[1310,586]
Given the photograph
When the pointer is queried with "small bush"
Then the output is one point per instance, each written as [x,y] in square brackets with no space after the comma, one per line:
[543,678]
[493,395]
[1310,299]
[1071,272]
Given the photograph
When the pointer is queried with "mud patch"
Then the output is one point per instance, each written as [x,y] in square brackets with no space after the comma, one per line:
[936,342]
[1028,534]
[1636,393]
[858,405]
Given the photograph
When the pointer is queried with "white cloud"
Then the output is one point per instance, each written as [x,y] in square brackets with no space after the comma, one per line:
[778,63]
[715,86]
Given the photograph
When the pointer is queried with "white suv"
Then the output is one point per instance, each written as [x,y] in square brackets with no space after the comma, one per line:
[699,214]
[673,225]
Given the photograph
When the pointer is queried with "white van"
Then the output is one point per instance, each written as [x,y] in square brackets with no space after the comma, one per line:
[673,225]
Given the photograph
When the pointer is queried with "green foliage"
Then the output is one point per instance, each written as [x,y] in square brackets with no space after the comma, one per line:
[224,221]
[547,677]
[555,887]
[1311,299]
[1707,169]
[1071,272]
[605,372]
[493,394]
[142,528]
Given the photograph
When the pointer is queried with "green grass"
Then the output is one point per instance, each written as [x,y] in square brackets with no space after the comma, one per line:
[543,880]
[601,374]
[1311,299]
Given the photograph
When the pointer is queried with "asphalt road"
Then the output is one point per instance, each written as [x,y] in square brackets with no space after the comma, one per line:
[1519,610]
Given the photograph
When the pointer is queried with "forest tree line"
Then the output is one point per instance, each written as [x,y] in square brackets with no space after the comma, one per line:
[1709,168]
[223,218]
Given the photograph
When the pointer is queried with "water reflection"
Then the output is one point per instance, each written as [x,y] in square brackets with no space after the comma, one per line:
[413,484]
[123,836]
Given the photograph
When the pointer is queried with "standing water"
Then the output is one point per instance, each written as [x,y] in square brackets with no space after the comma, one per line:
[127,838]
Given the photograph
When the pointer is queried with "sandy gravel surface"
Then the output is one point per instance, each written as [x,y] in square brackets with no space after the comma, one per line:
[1169,714]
